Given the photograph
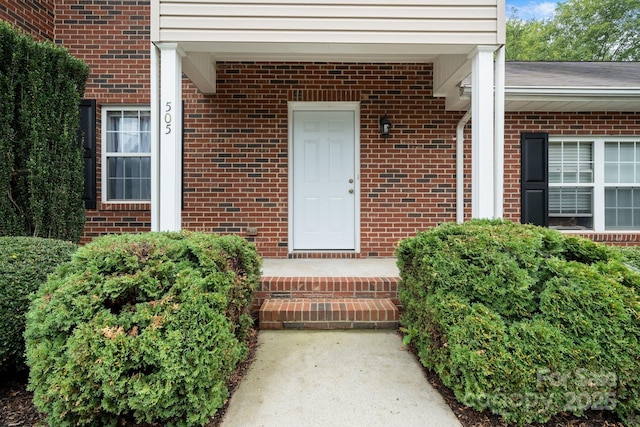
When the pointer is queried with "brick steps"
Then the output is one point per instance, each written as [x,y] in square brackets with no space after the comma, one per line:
[277,287]
[328,313]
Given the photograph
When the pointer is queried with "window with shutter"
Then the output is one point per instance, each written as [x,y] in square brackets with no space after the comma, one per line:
[594,183]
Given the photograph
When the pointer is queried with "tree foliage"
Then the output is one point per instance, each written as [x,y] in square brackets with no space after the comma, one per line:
[41,166]
[580,30]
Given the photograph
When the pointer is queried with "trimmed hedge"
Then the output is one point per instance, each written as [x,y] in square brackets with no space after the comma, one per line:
[25,263]
[41,166]
[523,320]
[144,328]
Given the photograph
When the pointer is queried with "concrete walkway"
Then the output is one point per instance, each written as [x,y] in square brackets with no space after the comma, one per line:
[335,378]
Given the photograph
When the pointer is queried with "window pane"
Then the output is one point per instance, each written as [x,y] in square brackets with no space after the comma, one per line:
[113,129]
[627,172]
[128,177]
[130,121]
[570,176]
[145,189]
[570,162]
[115,167]
[627,151]
[624,198]
[621,163]
[622,208]
[611,152]
[570,201]
[113,142]
[130,142]
[115,188]
[585,175]
[145,167]
[132,189]
[624,218]
[610,219]
[145,142]
[132,169]
[610,172]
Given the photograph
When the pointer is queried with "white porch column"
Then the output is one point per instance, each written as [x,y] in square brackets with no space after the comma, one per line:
[170,123]
[498,155]
[482,133]
[155,138]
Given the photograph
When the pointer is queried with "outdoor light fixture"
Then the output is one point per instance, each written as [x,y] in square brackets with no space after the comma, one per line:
[385,126]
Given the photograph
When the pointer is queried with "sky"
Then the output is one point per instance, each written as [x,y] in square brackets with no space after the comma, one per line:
[527,9]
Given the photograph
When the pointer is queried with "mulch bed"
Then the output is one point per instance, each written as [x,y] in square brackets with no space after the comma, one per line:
[16,409]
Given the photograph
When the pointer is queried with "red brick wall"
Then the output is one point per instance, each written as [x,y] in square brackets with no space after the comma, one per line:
[567,124]
[112,36]
[236,142]
[236,146]
[35,17]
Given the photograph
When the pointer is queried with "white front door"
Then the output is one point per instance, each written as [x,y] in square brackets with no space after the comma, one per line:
[324,181]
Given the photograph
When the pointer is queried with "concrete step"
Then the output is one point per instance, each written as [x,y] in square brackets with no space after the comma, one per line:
[329,313]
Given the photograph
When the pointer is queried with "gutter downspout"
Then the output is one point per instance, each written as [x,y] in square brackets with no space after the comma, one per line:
[460,167]
[498,144]
[155,139]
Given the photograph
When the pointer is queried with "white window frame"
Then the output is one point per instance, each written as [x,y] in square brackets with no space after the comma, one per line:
[598,184]
[106,109]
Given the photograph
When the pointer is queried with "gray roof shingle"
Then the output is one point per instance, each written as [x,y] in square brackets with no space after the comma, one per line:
[573,74]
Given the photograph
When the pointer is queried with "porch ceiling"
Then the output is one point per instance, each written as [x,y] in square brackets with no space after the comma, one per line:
[199,58]
[323,52]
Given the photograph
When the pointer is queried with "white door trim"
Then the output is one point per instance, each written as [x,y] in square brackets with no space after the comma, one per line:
[325,106]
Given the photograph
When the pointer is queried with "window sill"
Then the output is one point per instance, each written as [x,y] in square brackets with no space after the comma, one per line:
[124,206]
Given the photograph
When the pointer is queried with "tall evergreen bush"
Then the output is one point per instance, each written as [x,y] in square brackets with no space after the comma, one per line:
[41,166]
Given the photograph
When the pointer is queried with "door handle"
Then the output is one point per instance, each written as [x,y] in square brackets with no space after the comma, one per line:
[351,190]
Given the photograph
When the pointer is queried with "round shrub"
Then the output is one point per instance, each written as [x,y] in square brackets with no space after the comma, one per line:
[25,263]
[523,320]
[144,328]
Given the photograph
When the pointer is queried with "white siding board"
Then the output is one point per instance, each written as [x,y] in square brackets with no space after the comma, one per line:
[440,22]
[407,38]
[350,25]
[359,3]
[329,12]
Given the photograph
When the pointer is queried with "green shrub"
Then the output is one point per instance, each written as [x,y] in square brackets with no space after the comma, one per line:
[141,327]
[523,320]
[41,166]
[25,263]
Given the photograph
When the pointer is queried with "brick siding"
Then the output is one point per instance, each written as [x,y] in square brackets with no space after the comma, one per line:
[35,17]
[236,142]
[236,149]
[112,36]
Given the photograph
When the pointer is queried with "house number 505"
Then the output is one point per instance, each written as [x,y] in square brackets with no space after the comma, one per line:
[167,118]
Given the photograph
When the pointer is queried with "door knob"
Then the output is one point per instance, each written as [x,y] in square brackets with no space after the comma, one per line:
[351,190]
[351,181]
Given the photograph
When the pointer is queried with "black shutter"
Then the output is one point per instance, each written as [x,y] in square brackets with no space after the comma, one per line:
[87,139]
[535,178]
